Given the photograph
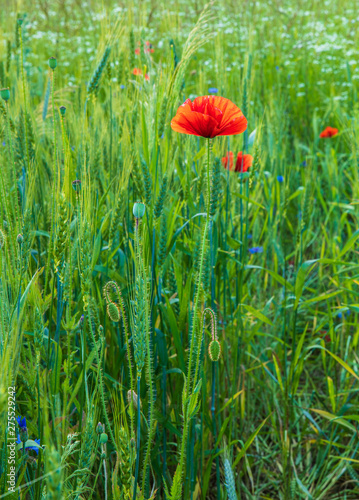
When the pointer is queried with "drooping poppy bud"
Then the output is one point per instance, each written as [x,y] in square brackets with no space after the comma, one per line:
[214,350]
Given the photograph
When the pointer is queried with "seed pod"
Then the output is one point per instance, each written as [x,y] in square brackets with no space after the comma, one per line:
[114,312]
[52,63]
[5,94]
[139,210]
[103,438]
[214,350]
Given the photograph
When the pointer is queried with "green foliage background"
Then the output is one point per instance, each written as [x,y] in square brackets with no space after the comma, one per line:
[276,416]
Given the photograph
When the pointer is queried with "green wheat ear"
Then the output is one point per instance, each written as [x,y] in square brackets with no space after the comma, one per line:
[54,475]
[229,480]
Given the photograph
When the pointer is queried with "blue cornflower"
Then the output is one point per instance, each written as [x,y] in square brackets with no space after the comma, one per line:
[280,178]
[304,163]
[347,313]
[249,236]
[340,315]
[122,86]
[3,143]
[73,148]
[30,447]
[162,136]
[255,250]
[277,68]
[212,90]
[21,422]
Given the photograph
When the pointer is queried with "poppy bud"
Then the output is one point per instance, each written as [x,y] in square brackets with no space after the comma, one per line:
[131,395]
[62,110]
[52,63]
[113,312]
[20,239]
[139,210]
[214,350]
[99,428]
[103,438]
[5,94]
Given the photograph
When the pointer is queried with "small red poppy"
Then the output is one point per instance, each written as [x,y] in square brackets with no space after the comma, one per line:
[328,132]
[209,116]
[243,162]
[137,71]
[147,77]
[137,51]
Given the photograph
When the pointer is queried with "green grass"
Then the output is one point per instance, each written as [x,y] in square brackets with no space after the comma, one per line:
[106,321]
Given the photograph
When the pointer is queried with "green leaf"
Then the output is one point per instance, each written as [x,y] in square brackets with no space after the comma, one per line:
[304,269]
[274,275]
[56,370]
[248,443]
[257,314]
[337,420]
[168,312]
[339,360]
[349,243]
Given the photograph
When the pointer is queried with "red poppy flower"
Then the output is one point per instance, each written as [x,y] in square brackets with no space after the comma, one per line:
[147,76]
[137,51]
[225,160]
[243,162]
[137,71]
[209,116]
[328,132]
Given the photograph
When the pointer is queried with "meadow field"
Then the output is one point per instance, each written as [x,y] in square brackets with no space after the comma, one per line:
[179,241]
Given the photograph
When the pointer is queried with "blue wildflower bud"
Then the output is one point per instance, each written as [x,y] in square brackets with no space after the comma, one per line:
[24,436]
[5,94]
[212,90]
[52,63]
[139,210]
[99,428]
[76,185]
[280,178]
